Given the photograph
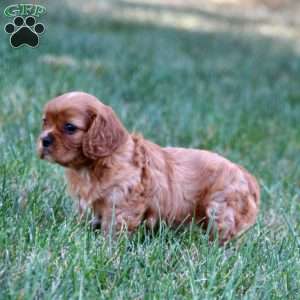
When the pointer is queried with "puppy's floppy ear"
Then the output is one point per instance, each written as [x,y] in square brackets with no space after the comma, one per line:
[105,135]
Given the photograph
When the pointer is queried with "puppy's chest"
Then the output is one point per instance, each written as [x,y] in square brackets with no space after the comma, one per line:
[89,190]
[82,187]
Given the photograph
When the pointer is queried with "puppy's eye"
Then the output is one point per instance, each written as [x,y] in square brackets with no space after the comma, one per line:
[70,128]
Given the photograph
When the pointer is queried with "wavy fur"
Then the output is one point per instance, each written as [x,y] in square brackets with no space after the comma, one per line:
[127,180]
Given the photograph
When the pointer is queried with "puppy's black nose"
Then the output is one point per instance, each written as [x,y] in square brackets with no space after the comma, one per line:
[47,140]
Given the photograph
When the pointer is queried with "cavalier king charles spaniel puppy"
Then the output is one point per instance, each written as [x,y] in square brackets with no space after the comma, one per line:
[127,180]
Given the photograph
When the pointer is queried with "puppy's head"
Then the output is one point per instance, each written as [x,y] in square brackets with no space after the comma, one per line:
[79,129]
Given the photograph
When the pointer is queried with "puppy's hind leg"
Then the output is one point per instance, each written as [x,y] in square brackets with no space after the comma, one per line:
[230,214]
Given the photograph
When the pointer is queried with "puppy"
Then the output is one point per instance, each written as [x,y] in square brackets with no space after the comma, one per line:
[127,180]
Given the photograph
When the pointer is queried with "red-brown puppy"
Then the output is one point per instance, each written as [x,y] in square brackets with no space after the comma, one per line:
[126,179]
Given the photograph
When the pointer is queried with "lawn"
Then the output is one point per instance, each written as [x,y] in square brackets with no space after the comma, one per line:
[219,85]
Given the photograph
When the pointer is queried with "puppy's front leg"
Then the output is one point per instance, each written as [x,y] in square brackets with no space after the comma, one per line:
[98,208]
[96,223]
[122,218]
[81,207]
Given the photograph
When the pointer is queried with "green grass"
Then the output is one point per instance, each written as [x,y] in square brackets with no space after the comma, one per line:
[234,93]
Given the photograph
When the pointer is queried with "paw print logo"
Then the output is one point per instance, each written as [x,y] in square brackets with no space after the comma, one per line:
[24,32]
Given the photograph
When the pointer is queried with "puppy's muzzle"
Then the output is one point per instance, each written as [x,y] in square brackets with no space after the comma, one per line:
[47,140]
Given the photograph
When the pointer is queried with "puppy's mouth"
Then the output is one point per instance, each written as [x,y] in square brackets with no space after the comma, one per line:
[44,153]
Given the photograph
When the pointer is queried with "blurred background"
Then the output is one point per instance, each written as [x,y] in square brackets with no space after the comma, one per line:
[217,74]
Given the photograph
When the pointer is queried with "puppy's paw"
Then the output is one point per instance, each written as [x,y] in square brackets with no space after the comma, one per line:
[96,223]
